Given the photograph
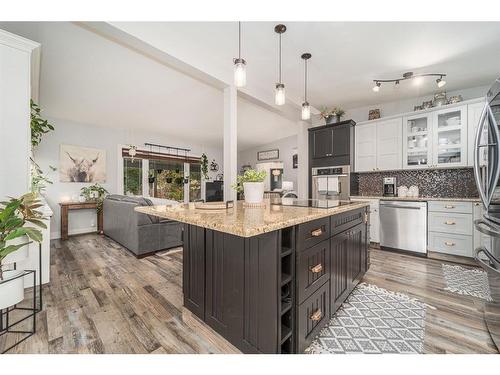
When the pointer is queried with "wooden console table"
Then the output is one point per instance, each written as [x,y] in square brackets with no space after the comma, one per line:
[66,206]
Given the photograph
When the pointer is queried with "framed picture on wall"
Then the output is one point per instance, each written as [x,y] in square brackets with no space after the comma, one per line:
[268,155]
[295,162]
[82,164]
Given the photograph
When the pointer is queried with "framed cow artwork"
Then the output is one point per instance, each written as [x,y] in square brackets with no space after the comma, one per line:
[82,164]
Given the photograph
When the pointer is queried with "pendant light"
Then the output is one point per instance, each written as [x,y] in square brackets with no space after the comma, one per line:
[279,92]
[306,108]
[240,73]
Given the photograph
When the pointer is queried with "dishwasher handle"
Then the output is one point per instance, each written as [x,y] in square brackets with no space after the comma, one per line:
[403,207]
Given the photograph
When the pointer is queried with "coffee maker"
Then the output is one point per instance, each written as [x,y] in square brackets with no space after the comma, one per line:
[390,186]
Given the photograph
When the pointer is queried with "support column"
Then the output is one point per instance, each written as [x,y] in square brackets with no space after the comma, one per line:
[303,159]
[230,141]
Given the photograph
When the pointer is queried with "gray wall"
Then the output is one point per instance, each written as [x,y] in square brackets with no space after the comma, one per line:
[109,139]
[287,147]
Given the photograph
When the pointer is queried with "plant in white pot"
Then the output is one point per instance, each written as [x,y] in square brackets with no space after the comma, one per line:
[251,183]
[18,221]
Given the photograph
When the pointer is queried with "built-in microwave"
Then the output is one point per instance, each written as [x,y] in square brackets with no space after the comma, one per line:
[331,182]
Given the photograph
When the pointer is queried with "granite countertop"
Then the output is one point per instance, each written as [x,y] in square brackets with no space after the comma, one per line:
[421,199]
[245,222]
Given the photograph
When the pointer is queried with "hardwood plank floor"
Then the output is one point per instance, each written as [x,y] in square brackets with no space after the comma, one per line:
[101,299]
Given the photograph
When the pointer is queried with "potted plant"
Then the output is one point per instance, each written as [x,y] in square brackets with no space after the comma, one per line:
[204,166]
[332,116]
[251,183]
[94,193]
[18,221]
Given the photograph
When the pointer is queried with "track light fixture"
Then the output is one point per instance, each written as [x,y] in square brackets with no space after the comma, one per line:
[417,78]
[279,92]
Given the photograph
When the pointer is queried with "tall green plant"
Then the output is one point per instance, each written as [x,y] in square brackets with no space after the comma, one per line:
[39,126]
[204,166]
[14,215]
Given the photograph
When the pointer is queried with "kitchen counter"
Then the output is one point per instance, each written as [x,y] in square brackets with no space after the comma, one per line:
[269,279]
[419,199]
[246,222]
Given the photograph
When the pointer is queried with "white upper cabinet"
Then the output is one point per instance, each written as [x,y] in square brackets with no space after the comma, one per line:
[417,145]
[450,137]
[389,144]
[365,147]
[473,115]
[378,146]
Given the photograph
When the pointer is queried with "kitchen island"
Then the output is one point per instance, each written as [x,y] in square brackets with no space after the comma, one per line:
[268,279]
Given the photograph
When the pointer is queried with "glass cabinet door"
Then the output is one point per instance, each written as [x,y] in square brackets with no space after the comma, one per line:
[416,144]
[450,129]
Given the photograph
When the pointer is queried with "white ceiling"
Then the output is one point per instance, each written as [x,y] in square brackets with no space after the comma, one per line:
[91,80]
[346,57]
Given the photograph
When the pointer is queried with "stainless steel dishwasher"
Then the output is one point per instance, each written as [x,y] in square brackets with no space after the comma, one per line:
[403,225]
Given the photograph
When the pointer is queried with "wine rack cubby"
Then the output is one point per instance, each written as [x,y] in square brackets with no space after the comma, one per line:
[287,291]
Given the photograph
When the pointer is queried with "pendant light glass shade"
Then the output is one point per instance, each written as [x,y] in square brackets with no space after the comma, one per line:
[306,111]
[279,94]
[240,73]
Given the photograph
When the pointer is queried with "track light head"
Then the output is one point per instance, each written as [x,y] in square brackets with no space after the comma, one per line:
[440,82]
[376,88]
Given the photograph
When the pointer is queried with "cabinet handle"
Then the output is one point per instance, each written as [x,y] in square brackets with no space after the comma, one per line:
[449,206]
[317,232]
[316,316]
[449,222]
[317,268]
[448,243]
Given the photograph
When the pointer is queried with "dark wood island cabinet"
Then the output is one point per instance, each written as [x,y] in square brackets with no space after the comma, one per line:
[272,292]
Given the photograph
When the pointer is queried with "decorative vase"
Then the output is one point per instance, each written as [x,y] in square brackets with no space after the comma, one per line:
[254,192]
[332,120]
[19,255]
[11,292]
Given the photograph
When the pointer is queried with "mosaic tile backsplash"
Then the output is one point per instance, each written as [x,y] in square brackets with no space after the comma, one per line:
[437,183]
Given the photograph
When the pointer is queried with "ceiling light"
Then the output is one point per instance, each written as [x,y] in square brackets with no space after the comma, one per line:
[240,73]
[440,82]
[306,108]
[417,79]
[279,92]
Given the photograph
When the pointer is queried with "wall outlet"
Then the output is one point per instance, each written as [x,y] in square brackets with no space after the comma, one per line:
[92,223]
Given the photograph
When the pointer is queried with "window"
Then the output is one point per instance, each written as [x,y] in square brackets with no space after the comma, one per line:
[132,176]
[166,179]
[194,182]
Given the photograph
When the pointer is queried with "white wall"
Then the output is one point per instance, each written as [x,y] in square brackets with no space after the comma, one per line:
[287,147]
[109,139]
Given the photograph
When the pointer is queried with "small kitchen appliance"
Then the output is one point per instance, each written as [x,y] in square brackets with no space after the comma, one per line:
[390,186]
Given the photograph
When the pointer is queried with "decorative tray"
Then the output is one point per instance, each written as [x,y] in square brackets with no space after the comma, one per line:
[214,205]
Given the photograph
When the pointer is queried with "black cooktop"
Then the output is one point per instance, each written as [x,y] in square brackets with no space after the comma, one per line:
[314,203]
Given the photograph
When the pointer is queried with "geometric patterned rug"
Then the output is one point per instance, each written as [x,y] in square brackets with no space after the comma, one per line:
[373,320]
[471,282]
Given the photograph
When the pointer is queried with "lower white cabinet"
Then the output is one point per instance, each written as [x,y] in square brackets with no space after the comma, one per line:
[374,218]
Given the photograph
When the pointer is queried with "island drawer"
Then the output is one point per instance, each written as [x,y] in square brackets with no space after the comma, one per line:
[313,269]
[312,233]
[450,223]
[312,315]
[342,222]
[455,244]
[450,206]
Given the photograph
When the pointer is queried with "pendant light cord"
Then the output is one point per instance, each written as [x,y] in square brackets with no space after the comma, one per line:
[280,60]
[305,82]
[239,40]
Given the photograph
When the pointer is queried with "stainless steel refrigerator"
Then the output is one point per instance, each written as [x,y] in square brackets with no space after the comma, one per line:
[487,173]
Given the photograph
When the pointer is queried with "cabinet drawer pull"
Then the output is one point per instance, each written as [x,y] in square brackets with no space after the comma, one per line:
[449,206]
[316,316]
[449,222]
[317,232]
[448,243]
[317,268]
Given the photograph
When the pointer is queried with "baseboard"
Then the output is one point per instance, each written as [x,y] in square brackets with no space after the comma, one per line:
[57,235]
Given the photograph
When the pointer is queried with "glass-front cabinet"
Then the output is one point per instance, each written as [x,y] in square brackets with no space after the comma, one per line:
[417,147]
[435,140]
[450,137]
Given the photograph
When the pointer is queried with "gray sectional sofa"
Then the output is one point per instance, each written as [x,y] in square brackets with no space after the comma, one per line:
[141,234]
